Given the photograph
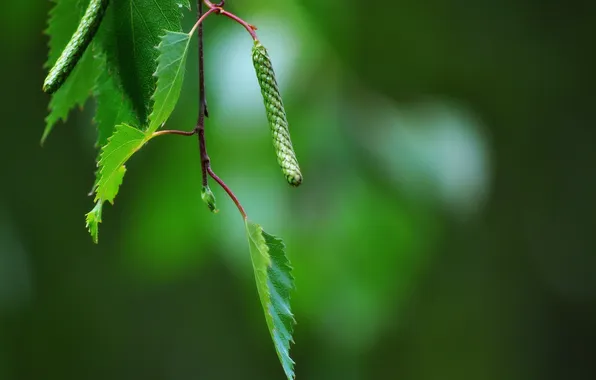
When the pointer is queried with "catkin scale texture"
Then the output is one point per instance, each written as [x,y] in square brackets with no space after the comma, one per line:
[276,115]
[77,45]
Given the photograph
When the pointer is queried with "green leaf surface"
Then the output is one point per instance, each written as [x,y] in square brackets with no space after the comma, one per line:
[274,284]
[173,50]
[125,141]
[64,19]
[113,105]
[136,27]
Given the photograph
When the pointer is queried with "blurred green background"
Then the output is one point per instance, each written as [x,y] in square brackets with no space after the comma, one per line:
[445,228]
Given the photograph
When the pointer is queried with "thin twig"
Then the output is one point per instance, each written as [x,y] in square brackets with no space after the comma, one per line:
[250,28]
[200,128]
[203,17]
[218,7]
[227,190]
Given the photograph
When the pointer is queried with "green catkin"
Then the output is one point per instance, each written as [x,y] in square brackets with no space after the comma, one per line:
[76,46]
[276,115]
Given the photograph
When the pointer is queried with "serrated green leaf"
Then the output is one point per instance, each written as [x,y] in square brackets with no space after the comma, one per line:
[113,107]
[125,141]
[136,28]
[274,284]
[92,220]
[173,50]
[64,19]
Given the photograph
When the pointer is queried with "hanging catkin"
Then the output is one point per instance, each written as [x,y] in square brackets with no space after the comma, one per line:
[77,45]
[276,115]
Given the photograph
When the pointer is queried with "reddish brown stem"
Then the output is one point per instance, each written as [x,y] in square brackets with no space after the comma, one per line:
[203,17]
[218,7]
[200,128]
[227,190]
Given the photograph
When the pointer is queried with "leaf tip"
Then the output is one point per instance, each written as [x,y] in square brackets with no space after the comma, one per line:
[92,220]
[44,136]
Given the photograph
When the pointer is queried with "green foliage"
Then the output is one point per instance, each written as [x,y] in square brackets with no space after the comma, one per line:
[173,50]
[274,284]
[113,105]
[125,141]
[136,29]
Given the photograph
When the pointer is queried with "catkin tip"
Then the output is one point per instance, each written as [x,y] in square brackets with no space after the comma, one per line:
[48,88]
[295,181]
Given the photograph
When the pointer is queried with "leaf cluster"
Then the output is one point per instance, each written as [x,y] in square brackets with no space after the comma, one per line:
[120,70]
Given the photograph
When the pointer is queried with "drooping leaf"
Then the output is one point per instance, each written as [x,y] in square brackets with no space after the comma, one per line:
[64,19]
[113,106]
[274,284]
[125,141]
[173,50]
[135,30]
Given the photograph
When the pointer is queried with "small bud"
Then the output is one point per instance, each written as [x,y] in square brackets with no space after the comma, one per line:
[209,199]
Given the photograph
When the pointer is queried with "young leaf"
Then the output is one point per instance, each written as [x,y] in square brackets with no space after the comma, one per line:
[113,107]
[274,284]
[64,18]
[173,50]
[125,141]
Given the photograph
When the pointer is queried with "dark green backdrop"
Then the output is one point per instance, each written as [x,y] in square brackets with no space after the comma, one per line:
[444,230]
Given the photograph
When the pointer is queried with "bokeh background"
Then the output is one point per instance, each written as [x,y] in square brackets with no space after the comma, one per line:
[445,228]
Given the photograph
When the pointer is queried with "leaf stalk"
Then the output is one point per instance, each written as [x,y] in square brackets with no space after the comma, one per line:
[173,132]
